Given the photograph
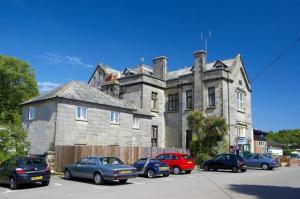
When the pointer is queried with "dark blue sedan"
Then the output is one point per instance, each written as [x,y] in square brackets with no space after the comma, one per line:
[100,169]
[151,167]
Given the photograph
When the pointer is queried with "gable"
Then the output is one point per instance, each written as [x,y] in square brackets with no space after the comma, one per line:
[238,67]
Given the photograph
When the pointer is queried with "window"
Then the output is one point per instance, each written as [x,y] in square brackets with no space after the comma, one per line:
[173,102]
[261,143]
[240,82]
[154,136]
[189,99]
[240,100]
[211,97]
[81,113]
[31,113]
[114,117]
[241,131]
[153,101]
[136,123]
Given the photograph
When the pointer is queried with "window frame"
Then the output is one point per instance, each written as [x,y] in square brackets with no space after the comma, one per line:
[261,144]
[154,136]
[240,100]
[113,119]
[211,96]
[173,102]
[154,99]
[241,132]
[189,99]
[31,113]
[136,123]
[82,116]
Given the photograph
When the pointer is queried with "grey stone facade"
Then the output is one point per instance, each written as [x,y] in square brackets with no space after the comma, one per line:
[144,92]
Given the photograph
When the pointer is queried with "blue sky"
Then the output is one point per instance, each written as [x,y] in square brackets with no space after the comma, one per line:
[64,40]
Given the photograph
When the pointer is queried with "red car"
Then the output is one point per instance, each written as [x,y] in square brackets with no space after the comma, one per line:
[177,162]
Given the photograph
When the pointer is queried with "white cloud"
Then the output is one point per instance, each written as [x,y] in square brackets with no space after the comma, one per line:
[56,58]
[47,86]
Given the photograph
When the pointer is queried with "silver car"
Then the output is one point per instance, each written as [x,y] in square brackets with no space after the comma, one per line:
[100,169]
[263,161]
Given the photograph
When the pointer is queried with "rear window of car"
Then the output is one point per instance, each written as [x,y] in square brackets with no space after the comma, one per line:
[32,161]
[154,161]
[185,156]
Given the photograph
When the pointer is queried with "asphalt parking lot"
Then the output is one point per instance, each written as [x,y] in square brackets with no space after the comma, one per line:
[279,183]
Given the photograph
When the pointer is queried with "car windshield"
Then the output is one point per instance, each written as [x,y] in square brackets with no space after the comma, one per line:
[32,162]
[110,160]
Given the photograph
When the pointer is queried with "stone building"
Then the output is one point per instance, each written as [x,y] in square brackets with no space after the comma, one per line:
[162,98]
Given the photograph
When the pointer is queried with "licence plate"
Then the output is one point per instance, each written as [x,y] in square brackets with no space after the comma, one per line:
[37,178]
[163,168]
[125,172]
[189,162]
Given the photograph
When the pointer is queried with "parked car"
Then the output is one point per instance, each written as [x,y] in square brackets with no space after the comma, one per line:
[177,162]
[24,170]
[233,162]
[100,169]
[151,167]
[265,162]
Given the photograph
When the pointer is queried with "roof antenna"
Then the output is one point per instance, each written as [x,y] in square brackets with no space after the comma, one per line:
[205,38]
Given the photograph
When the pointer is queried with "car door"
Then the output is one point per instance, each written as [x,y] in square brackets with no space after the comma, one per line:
[79,168]
[216,162]
[226,162]
[162,158]
[7,169]
[256,160]
[90,168]
[140,164]
[249,160]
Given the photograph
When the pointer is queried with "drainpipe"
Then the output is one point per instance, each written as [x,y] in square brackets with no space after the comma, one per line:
[228,112]
[55,124]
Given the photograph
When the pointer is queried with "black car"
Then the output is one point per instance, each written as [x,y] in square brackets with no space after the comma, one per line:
[232,162]
[24,170]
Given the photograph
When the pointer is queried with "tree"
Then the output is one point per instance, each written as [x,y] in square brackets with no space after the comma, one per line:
[209,135]
[17,84]
[12,141]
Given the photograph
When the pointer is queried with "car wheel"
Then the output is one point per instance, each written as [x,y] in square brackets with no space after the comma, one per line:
[176,170]
[166,175]
[206,168]
[13,184]
[188,171]
[243,170]
[67,174]
[265,166]
[98,178]
[123,181]
[151,173]
[234,169]
[46,183]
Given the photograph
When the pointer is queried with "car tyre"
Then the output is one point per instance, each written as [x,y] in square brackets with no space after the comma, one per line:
[67,174]
[176,170]
[13,183]
[123,181]
[46,183]
[234,169]
[265,166]
[98,178]
[243,170]
[166,175]
[206,168]
[151,174]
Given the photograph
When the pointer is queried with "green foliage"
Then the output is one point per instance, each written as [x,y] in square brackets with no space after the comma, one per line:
[17,84]
[12,141]
[208,136]
[286,137]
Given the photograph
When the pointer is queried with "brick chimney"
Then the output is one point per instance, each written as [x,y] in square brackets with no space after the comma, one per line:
[160,67]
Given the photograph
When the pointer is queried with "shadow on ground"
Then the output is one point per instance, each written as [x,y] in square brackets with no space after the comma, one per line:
[106,183]
[265,191]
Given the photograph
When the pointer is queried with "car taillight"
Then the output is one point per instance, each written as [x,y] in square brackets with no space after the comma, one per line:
[20,171]
[47,168]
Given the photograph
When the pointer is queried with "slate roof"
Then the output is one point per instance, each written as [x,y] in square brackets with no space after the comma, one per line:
[140,69]
[188,70]
[75,90]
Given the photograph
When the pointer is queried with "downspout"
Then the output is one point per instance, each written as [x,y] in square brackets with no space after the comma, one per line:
[55,124]
[228,112]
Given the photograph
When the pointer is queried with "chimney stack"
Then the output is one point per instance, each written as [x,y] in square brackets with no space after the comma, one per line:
[160,67]
[199,67]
